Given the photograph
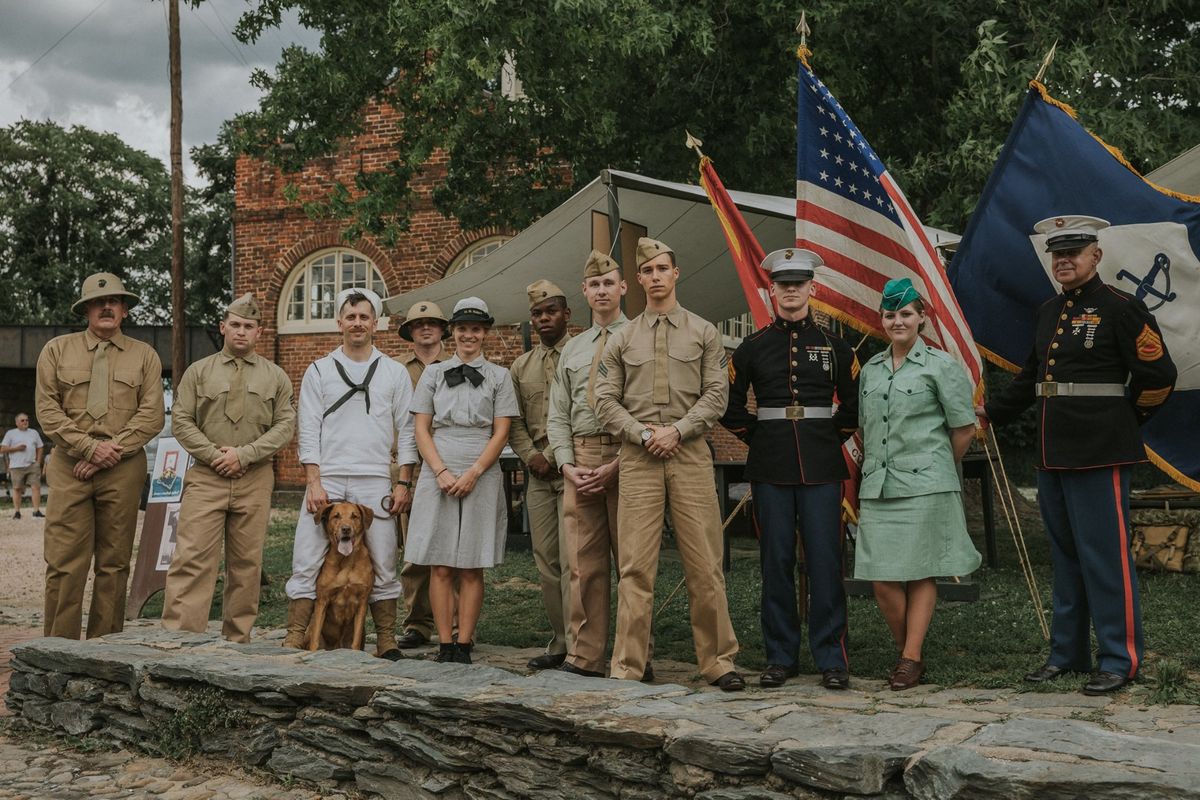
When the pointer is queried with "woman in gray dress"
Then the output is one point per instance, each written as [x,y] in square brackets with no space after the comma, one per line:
[463,409]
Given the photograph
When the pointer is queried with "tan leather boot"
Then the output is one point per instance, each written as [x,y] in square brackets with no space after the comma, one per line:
[299,613]
[384,614]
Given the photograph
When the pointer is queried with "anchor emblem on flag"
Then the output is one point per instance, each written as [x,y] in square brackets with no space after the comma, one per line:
[1145,286]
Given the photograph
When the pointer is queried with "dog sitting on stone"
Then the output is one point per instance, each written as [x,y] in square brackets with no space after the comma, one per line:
[344,584]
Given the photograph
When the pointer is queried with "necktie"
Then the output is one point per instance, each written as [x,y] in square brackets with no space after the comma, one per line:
[591,386]
[97,398]
[463,372]
[550,364]
[662,394]
[363,387]
[235,401]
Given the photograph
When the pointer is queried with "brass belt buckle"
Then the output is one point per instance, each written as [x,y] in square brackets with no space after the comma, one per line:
[1050,389]
[794,412]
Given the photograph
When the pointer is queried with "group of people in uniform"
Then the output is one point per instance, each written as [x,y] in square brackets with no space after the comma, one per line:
[610,425]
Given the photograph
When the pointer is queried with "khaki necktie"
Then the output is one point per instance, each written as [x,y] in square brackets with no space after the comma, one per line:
[662,394]
[97,398]
[235,401]
[591,389]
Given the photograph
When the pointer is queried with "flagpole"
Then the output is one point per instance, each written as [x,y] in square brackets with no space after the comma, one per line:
[1046,62]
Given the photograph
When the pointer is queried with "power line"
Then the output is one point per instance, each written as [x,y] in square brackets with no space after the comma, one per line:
[220,41]
[236,44]
[50,49]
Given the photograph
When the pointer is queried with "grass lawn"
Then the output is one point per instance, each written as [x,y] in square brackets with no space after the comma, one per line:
[989,643]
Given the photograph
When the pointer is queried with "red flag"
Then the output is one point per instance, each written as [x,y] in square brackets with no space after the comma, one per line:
[747,255]
[744,249]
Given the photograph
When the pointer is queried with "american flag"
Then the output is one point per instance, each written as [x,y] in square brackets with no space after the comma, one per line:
[851,212]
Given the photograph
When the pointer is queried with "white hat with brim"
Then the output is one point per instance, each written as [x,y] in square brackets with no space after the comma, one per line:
[1070,232]
[472,309]
[791,265]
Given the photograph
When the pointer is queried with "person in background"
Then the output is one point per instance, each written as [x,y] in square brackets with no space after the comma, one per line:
[463,409]
[24,448]
[99,399]
[532,376]
[917,421]
[426,327]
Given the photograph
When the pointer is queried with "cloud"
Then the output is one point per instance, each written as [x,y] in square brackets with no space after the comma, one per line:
[111,72]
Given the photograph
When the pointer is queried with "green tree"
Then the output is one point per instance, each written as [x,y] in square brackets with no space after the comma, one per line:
[75,201]
[933,85]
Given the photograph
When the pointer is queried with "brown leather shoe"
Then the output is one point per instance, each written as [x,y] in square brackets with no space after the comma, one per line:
[906,675]
[730,682]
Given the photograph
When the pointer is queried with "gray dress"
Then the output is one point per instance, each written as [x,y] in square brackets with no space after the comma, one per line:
[468,532]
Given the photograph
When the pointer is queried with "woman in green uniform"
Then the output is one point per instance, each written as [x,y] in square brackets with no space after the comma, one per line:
[917,418]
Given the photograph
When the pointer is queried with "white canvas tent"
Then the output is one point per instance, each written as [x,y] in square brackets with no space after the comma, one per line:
[556,246]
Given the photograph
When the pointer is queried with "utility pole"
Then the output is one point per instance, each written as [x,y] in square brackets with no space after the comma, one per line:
[178,322]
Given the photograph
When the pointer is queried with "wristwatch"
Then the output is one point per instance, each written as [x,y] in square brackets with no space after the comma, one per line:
[407,484]
[647,435]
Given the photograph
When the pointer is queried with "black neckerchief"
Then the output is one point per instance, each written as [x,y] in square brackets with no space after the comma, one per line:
[463,372]
[363,387]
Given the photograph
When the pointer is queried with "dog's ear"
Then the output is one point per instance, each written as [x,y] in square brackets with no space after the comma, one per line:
[323,514]
[368,516]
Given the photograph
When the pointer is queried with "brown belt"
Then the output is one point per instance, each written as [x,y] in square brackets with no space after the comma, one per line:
[602,438]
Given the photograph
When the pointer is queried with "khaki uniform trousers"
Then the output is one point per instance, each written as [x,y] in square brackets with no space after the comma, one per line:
[591,535]
[646,484]
[86,521]
[547,532]
[414,580]
[216,511]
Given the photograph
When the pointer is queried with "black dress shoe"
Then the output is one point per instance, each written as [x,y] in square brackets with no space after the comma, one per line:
[445,654]
[410,639]
[462,652]
[1104,682]
[837,678]
[776,675]
[648,673]
[730,682]
[547,661]
[392,655]
[571,669]
[1047,672]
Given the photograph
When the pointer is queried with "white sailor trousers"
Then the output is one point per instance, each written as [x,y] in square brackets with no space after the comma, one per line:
[308,551]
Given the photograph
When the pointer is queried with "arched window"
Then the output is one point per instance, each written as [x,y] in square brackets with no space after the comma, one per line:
[474,252]
[306,304]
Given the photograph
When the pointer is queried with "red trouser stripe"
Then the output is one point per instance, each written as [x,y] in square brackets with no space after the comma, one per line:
[1128,587]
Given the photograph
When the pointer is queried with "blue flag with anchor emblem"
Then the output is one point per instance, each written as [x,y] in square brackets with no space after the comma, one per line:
[1051,165]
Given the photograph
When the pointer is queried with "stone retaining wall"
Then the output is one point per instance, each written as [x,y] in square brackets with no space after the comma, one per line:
[417,729]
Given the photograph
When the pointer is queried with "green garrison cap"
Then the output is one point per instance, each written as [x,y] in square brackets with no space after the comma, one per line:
[897,293]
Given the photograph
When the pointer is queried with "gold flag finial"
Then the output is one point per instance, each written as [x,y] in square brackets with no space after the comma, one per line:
[1046,62]
[694,143]
[802,51]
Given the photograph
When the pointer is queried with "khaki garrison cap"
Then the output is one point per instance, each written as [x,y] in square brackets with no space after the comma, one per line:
[542,290]
[102,284]
[245,307]
[423,309]
[598,264]
[649,248]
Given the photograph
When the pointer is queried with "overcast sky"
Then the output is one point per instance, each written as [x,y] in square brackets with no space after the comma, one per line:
[110,72]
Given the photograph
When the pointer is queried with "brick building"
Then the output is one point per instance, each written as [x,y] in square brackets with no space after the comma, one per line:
[295,265]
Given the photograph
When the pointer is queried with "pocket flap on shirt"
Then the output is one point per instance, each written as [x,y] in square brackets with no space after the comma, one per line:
[128,377]
[870,464]
[686,351]
[74,377]
[635,358]
[915,463]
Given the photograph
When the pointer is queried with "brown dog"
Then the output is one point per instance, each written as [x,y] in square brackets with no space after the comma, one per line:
[345,581]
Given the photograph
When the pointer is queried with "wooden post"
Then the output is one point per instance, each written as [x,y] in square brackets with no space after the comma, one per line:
[178,321]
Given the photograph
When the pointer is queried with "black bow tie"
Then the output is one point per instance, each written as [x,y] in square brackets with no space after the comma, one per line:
[463,372]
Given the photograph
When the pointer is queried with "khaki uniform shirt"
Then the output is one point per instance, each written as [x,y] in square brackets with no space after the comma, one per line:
[696,377]
[135,394]
[415,367]
[532,379]
[570,415]
[268,419]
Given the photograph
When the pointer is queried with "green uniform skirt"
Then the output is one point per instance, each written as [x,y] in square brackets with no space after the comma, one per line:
[910,538]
